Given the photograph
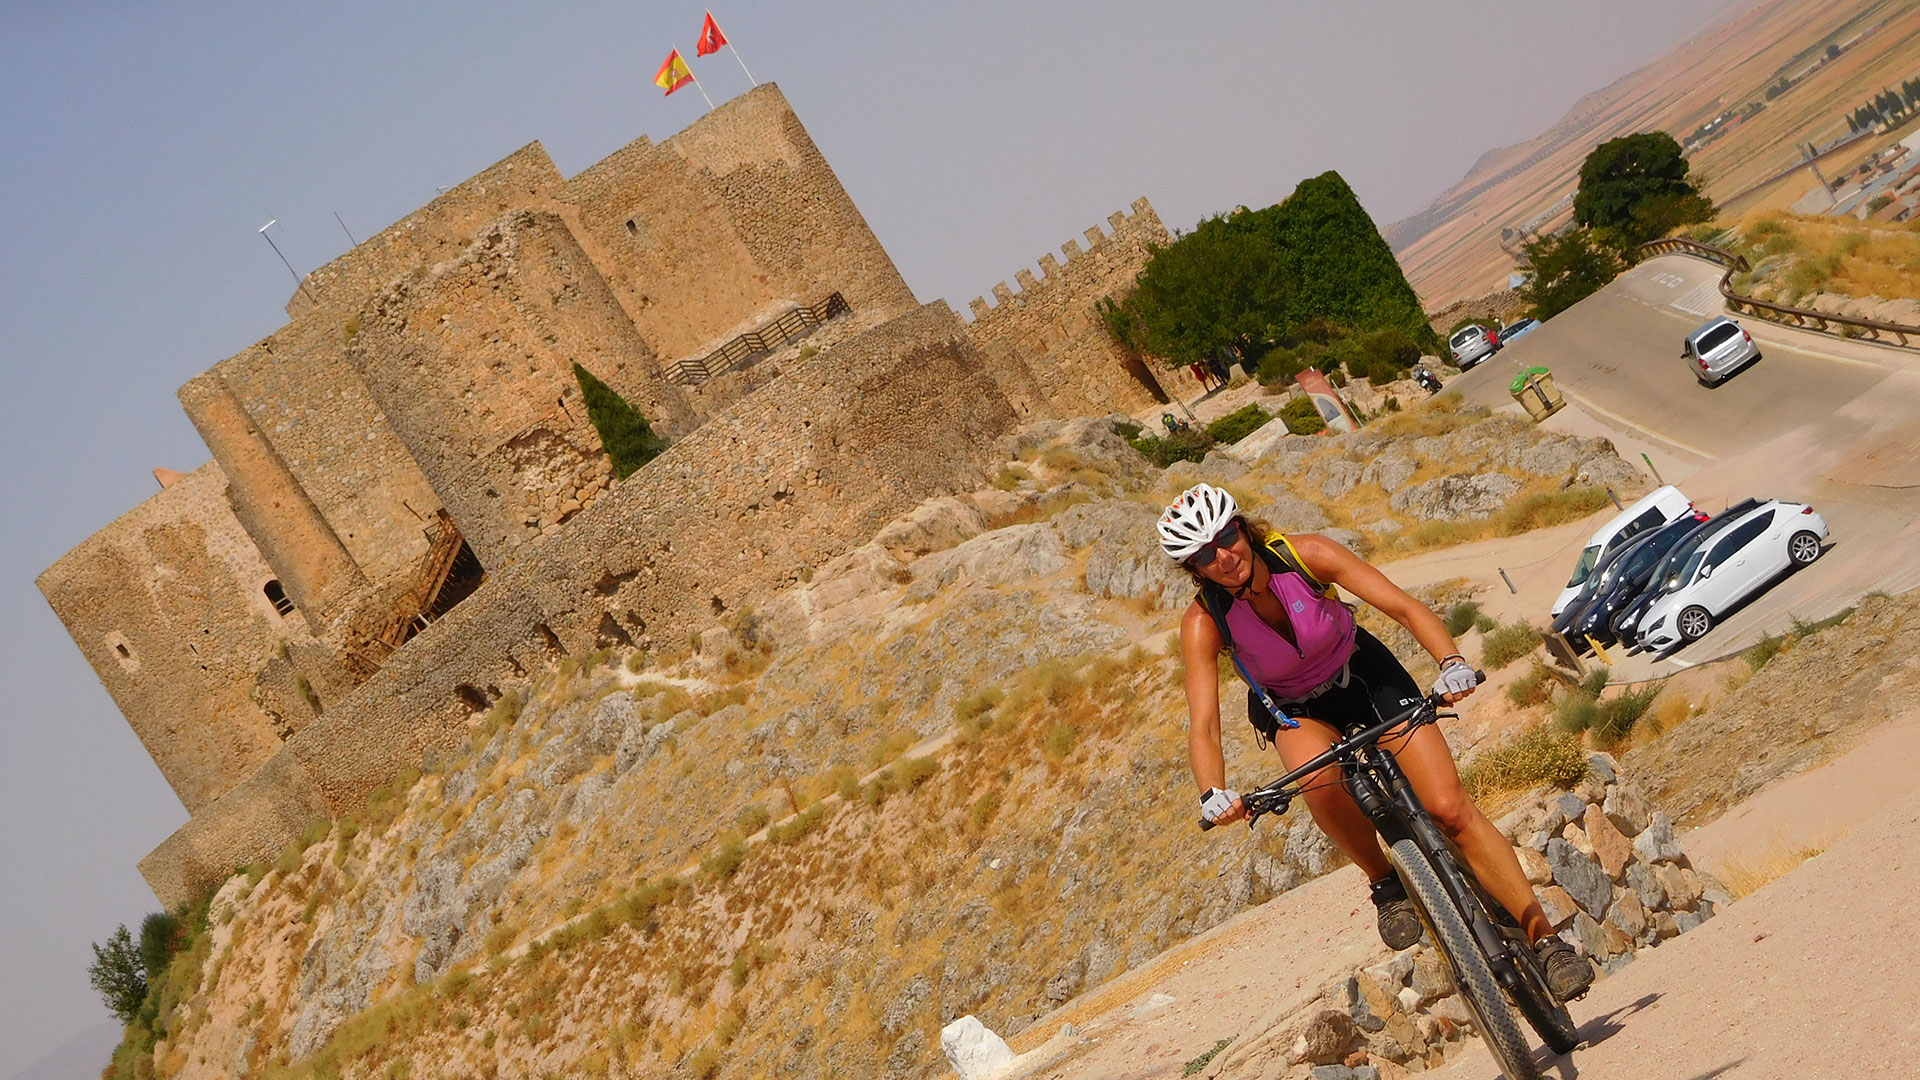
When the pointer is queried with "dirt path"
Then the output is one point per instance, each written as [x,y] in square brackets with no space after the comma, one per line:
[1784,984]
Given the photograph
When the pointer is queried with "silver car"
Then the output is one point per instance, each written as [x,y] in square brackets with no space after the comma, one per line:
[1718,349]
[1470,345]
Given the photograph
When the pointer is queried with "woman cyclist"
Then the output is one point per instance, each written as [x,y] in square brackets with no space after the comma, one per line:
[1302,646]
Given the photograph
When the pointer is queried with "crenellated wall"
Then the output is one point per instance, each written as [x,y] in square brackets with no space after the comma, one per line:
[1047,341]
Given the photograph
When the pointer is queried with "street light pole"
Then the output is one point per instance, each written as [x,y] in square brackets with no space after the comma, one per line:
[297,281]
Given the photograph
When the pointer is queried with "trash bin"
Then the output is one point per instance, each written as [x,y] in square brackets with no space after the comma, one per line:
[1535,391]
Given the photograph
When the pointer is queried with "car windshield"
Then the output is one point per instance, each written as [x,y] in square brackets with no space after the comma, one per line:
[1715,338]
[1693,563]
[1466,335]
[1664,576]
[1516,328]
[1584,566]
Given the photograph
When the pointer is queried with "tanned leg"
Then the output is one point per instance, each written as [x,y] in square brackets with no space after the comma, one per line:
[1429,767]
[1332,807]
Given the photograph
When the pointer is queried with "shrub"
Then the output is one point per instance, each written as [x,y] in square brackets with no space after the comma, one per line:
[628,438]
[1238,424]
[1189,445]
[751,819]
[1533,688]
[1058,741]
[1595,681]
[799,825]
[1545,509]
[725,860]
[1507,643]
[1621,712]
[1535,756]
[1576,712]
[1462,617]
[1301,417]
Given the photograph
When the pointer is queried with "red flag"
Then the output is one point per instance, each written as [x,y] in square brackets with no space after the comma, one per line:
[710,37]
[674,74]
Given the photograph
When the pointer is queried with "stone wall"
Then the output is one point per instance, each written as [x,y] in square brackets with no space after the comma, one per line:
[726,224]
[437,231]
[1050,348]
[168,606]
[472,364]
[793,474]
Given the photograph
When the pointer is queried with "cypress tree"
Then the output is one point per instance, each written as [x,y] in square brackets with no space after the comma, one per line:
[628,438]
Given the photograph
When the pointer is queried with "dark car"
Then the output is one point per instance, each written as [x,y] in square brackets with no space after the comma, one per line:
[1626,577]
[1625,625]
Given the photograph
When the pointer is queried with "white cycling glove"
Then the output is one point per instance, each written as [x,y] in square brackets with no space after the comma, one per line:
[1214,803]
[1456,677]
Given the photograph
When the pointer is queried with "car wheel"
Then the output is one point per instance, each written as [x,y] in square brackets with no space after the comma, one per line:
[1693,623]
[1803,548]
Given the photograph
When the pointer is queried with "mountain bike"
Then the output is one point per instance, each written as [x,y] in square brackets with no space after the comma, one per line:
[1492,962]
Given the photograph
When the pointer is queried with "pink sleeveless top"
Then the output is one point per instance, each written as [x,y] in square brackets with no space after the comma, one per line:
[1323,627]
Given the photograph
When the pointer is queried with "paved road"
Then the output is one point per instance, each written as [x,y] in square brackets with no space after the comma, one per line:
[1830,422]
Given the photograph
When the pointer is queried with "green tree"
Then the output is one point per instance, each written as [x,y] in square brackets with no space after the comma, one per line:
[1566,269]
[160,935]
[628,438]
[118,975]
[1217,287]
[1637,187]
[1307,268]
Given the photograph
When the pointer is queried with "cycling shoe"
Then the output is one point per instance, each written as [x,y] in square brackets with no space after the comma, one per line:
[1399,921]
[1568,973]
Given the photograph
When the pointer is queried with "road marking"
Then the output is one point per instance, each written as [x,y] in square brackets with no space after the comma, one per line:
[1703,299]
[1641,428]
[1671,281]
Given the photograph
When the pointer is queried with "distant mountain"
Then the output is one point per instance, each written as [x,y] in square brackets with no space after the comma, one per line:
[79,1058]
[1451,250]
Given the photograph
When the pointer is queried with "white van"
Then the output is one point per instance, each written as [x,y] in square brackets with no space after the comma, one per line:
[1663,505]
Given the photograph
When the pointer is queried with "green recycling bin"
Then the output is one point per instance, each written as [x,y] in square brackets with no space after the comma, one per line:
[1535,391]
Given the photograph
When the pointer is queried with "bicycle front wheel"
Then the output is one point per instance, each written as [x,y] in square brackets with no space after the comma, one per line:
[1472,975]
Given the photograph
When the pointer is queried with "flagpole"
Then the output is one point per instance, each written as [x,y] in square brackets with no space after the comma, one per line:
[742,63]
[697,86]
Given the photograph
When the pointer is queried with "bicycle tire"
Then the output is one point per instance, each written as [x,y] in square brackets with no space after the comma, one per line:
[1544,1012]
[1472,975]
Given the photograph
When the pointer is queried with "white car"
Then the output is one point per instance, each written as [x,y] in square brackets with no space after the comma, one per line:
[1471,344]
[1718,349]
[1654,510]
[1739,561]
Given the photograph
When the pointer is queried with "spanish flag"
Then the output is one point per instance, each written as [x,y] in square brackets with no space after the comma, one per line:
[674,74]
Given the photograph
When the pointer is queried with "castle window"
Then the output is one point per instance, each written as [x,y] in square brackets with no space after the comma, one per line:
[636,230]
[121,648]
[277,596]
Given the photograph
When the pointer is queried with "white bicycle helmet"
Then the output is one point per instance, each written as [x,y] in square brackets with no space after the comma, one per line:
[1194,518]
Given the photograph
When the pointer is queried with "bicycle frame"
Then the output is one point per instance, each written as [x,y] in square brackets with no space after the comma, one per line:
[1373,777]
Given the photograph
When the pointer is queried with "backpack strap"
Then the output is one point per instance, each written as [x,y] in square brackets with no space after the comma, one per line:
[1217,601]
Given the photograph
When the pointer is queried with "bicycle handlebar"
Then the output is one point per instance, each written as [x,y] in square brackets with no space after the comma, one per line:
[1430,705]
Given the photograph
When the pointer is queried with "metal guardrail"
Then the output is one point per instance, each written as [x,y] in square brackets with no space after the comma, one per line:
[797,322]
[1805,318]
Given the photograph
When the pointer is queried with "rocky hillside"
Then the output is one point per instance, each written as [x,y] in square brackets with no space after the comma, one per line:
[946,775]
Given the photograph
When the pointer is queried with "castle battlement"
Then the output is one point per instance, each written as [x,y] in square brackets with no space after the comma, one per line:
[1133,233]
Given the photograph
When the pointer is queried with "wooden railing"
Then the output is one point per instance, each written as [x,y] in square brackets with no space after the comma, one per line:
[1886,333]
[798,322]
[417,603]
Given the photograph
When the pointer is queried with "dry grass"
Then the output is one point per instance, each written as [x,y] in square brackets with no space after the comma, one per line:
[1745,877]
[1535,756]
[1838,255]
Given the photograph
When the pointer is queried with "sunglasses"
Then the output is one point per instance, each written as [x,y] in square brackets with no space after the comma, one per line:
[1225,538]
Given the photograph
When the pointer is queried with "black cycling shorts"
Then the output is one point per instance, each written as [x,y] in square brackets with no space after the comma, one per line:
[1371,669]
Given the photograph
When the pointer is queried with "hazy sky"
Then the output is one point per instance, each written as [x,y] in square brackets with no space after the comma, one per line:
[141,146]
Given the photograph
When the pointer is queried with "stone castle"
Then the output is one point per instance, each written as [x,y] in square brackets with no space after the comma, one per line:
[407,507]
